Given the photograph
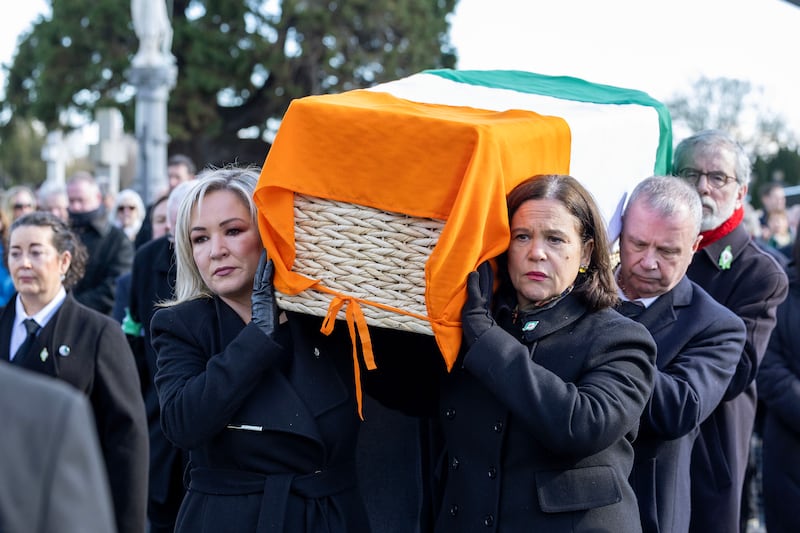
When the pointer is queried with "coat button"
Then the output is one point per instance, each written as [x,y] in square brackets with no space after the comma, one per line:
[453,510]
[454,463]
[488,520]
[492,472]
[450,413]
[316,352]
[498,427]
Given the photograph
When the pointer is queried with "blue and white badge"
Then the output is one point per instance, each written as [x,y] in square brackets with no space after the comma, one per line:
[530,325]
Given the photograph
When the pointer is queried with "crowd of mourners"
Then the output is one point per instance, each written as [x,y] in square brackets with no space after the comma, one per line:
[643,382]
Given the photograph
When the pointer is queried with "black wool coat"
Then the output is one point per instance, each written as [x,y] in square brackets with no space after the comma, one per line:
[153,281]
[538,423]
[753,287]
[270,424]
[779,388]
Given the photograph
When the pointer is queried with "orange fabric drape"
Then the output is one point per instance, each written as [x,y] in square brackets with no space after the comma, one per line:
[451,163]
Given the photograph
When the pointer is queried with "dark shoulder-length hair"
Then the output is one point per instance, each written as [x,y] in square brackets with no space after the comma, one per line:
[64,240]
[596,286]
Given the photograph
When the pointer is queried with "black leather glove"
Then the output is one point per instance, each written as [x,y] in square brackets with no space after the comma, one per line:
[265,310]
[476,316]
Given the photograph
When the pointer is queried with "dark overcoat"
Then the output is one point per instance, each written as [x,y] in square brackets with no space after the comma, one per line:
[271,425]
[153,281]
[539,422]
[752,287]
[779,388]
[88,350]
[699,344]
[110,256]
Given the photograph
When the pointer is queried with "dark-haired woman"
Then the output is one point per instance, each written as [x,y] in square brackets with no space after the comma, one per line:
[78,345]
[539,414]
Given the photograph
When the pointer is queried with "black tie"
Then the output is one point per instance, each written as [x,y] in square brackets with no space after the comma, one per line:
[631,309]
[32,328]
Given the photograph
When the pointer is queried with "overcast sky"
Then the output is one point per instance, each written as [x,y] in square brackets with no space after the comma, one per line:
[656,46]
[652,45]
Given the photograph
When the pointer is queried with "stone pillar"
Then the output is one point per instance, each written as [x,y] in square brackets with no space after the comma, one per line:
[153,73]
[110,151]
[56,155]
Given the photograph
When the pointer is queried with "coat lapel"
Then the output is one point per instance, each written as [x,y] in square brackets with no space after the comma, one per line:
[276,404]
[6,323]
[39,357]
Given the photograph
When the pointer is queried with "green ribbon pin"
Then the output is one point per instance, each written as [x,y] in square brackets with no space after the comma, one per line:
[725,258]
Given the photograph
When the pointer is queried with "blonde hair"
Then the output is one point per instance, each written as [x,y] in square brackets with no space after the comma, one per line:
[189,284]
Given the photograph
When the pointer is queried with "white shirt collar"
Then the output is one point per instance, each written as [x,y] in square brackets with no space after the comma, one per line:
[45,313]
[646,302]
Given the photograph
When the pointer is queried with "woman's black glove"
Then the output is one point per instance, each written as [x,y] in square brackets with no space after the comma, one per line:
[476,316]
[265,310]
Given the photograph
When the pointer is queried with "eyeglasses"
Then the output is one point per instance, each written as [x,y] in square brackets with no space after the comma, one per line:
[715,178]
[22,206]
[122,208]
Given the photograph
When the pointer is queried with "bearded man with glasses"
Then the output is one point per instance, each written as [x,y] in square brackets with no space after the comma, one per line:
[749,282]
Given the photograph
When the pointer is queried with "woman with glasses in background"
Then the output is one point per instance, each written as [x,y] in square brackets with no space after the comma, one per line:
[128,212]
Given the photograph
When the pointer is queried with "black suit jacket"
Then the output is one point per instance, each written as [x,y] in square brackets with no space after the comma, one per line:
[752,288]
[699,342]
[89,351]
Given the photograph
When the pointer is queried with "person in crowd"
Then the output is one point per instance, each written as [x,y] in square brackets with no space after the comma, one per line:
[52,197]
[110,251]
[750,282]
[152,281]
[122,293]
[48,331]
[263,401]
[159,224]
[779,388]
[20,200]
[751,223]
[128,213]
[539,413]
[780,235]
[53,474]
[6,283]
[699,343]
[180,168]
[773,198]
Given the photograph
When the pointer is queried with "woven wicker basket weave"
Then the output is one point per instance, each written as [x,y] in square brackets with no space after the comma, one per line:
[366,253]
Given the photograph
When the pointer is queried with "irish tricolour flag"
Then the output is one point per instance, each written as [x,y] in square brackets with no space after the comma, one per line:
[448,145]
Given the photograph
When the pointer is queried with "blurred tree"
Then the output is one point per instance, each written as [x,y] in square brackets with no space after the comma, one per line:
[240,63]
[20,155]
[738,108]
[734,106]
[783,166]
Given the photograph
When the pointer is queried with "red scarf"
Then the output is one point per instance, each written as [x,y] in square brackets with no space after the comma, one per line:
[713,235]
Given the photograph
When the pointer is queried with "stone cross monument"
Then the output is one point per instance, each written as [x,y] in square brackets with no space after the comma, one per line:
[110,151]
[153,73]
[55,154]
